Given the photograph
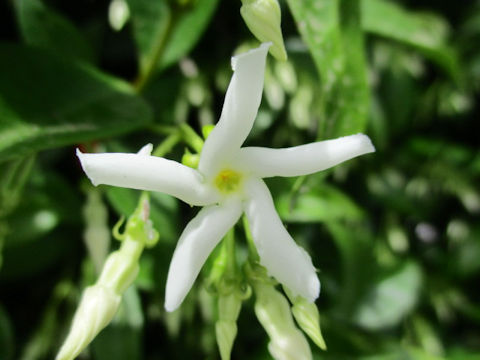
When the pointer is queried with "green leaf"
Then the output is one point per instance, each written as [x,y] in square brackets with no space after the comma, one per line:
[190,26]
[6,336]
[332,31]
[151,21]
[163,34]
[43,27]
[49,103]
[122,339]
[390,299]
[320,204]
[426,32]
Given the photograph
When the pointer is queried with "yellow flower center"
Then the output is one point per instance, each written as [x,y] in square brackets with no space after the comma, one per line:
[228,181]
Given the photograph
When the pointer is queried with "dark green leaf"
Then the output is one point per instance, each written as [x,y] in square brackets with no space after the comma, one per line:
[164,34]
[6,336]
[320,204]
[46,103]
[426,32]
[332,31]
[190,26]
[122,339]
[390,299]
[43,27]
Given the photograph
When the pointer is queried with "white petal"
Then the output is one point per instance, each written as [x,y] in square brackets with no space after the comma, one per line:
[303,159]
[239,110]
[284,259]
[143,172]
[146,150]
[197,241]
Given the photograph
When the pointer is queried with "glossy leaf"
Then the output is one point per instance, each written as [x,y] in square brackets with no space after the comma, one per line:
[164,33]
[6,336]
[43,27]
[426,32]
[48,103]
[390,299]
[332,31]
[122,339]
[320,204]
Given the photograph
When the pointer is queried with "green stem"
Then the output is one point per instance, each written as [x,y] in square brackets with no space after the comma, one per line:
[229,244]
[167,145]
[191,138]
[252,249]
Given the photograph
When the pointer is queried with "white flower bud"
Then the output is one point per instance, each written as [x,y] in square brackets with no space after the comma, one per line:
[263,18]
[118,14]
[273,312]
[97,308]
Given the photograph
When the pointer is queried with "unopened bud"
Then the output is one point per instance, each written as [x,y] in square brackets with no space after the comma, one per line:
[273,312]
[100,302]
[97,233]
[229,307]
[97,308]
[263,18]
[308,318]
[190,160]
[118,14]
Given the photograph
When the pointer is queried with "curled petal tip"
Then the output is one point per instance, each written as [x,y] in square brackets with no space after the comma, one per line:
[262,49]
[367,142]
[84,163]
[146,150]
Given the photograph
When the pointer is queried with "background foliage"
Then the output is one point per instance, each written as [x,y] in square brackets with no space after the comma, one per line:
[395,234]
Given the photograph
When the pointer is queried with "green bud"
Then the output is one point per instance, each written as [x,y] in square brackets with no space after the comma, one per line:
[273,312]
[274,92]
[229,307]
[300,105]
[97,233]
[190,160]
[263,18]
[285,72]
[206,130]
[308,318]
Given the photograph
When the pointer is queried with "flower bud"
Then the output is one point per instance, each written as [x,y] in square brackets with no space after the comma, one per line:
[229,307]
[307,317]
[97,233]
[97,308]
[273,312]
[100,302]
[263,18]
[190,160]
[118,14]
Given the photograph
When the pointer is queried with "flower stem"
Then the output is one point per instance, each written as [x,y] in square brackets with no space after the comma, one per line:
[191,137]
[167,145]
[229,244]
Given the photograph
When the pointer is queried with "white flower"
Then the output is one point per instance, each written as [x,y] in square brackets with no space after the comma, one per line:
[229,182]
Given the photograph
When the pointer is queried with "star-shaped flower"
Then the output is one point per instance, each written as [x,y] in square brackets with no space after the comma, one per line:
[229,182]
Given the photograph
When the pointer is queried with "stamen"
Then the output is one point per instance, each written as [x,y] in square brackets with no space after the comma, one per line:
[228,181]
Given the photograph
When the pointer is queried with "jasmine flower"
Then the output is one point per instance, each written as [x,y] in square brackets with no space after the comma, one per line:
[229,182]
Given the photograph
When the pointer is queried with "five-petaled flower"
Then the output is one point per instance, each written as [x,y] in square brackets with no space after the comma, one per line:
[229,182]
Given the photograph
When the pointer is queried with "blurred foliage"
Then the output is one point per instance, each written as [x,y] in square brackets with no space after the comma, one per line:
[395,235]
